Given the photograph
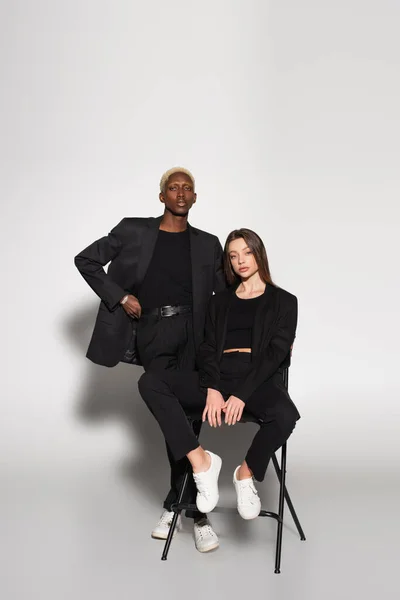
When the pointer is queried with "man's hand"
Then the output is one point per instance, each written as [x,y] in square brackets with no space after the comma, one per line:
[214,404]
[132,306]
[233,409]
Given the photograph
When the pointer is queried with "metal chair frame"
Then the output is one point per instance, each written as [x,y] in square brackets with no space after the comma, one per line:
[283,495]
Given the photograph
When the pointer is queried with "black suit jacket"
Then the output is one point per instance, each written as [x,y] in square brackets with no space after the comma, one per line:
[129,247]
[274,331]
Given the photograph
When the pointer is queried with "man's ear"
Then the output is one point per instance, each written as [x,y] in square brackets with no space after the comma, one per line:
[161,196]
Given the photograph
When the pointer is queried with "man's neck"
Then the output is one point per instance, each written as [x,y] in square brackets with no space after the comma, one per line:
[172,223]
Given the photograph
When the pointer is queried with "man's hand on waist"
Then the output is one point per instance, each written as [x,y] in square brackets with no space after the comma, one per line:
[131,306]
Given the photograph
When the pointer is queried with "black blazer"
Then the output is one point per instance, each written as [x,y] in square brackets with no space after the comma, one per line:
[129,247]
[273,334]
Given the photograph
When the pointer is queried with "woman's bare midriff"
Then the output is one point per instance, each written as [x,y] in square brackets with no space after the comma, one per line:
[237,350]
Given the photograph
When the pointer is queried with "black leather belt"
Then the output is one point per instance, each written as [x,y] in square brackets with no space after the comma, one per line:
[168,311]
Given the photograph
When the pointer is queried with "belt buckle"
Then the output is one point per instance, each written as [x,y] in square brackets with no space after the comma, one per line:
[166,313]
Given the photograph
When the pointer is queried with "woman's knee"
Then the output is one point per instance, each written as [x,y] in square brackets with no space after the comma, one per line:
[287,421]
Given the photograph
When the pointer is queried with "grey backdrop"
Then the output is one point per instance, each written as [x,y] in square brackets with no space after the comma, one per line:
[287,113]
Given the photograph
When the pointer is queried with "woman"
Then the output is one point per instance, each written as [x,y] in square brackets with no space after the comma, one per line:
[249,332]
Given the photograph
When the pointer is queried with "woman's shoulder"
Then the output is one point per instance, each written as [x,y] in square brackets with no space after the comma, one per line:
[285,296]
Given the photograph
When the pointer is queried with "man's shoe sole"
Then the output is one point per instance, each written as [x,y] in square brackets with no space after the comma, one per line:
[209,548]
[162,536]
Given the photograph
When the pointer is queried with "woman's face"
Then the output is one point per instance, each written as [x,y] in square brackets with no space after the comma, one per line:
[242,259]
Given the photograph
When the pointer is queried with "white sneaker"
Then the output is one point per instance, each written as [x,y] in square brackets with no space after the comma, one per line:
[248,500]
[205,537]
[160,531]
[207,485]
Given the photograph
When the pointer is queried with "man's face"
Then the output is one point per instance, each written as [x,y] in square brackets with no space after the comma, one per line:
[179,195]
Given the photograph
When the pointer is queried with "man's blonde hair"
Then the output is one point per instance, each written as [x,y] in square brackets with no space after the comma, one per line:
[167,175]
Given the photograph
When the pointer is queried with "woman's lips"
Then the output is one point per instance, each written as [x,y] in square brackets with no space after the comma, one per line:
[242,269]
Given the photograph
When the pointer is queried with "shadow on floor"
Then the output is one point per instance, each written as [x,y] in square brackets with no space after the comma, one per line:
[112,394]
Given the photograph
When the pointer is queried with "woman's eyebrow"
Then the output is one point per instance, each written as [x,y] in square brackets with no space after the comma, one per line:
[236,251]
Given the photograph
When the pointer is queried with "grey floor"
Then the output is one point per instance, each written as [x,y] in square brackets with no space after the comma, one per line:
[81,528]
[82,534]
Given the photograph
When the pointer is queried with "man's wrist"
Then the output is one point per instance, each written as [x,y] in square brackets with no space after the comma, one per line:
[124,299]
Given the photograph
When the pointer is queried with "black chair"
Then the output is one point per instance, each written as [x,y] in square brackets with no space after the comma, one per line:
[195,420]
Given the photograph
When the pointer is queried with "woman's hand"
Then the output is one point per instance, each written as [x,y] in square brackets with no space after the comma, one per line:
[233,409]
[214,404]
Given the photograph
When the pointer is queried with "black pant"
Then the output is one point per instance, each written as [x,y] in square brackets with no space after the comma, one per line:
[168,344]
[168,394]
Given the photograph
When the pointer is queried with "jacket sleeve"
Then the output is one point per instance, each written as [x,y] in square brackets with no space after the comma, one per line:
[273,355]
[209,372]
[90,263]
[219,275]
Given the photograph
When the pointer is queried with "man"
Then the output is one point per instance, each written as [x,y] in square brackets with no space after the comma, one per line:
[154,298]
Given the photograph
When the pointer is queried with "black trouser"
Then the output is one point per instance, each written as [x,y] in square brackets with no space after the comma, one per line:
[168,344]
[168,394]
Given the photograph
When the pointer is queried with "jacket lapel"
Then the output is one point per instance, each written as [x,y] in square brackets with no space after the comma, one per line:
[147,247]
[197,258]
[222,318]
[265,317]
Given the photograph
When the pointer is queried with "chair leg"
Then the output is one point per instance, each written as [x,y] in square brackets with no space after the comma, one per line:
[289,501]
[196,425]
[175,517]
[280,511]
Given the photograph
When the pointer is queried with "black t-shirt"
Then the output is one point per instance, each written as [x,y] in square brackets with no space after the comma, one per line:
[168,281]
[240,322]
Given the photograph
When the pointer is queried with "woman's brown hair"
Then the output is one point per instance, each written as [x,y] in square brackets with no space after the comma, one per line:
[255,244]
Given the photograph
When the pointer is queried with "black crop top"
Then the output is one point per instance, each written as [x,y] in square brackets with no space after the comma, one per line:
[240,322]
